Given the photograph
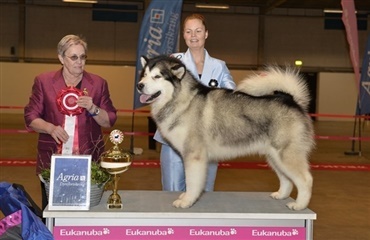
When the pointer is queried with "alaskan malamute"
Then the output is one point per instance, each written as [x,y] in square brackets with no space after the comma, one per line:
[266,114]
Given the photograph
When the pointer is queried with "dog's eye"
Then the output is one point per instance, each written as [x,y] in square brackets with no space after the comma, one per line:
[157,76]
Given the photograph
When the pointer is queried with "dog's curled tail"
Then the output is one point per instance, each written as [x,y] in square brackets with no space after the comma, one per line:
[276,79]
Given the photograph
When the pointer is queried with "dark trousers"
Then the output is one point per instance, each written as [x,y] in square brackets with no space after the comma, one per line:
[44,199]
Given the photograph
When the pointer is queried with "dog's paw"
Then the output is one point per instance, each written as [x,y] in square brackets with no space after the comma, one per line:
[295,206]
[277,195]
[181,203]
[182,195]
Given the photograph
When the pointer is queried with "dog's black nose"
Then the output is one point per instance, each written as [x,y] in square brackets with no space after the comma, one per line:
[140,86]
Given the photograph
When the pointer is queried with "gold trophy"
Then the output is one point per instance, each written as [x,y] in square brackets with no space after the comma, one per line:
[115,161]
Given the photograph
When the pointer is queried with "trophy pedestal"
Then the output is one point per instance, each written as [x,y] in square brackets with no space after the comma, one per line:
[114,200]
[114,206]
[114,203]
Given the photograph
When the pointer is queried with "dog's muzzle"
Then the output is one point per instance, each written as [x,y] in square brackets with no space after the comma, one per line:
[140,86]
[145,98]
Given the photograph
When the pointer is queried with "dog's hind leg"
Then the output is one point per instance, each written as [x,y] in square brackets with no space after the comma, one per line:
[294,165]
[196,175]
[303,181]
[286,186]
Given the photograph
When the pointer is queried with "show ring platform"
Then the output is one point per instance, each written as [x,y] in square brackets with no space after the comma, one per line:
[217,215]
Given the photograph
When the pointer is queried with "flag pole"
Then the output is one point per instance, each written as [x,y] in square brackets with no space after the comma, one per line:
[352,152]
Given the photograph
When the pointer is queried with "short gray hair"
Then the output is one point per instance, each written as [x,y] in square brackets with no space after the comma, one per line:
[69,40]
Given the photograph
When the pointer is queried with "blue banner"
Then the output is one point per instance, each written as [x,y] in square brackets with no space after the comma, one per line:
[158,34]
[363,106]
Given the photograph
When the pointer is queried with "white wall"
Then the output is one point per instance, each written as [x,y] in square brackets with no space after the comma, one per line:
[337,94]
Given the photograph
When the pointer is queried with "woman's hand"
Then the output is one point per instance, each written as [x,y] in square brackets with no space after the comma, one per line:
[58,133]
[85,102]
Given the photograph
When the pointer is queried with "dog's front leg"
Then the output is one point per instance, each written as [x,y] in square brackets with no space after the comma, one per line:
[196,176]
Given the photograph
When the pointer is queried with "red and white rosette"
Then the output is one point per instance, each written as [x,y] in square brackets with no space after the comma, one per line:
[67,105]
[67,101]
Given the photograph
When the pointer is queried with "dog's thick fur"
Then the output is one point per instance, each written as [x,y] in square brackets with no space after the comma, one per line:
[266,114]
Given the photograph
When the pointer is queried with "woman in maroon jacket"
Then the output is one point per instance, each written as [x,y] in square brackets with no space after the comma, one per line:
[70,91]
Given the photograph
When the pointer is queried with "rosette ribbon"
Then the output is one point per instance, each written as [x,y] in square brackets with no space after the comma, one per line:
[67,105]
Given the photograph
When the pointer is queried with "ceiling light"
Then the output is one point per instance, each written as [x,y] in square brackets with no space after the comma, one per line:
[298,63]
[334,11]
[212,6]
[81,1]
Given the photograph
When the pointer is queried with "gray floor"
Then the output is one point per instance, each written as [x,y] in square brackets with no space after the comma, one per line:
[341,198]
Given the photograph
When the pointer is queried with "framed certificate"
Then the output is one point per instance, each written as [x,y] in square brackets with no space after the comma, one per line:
[70,180]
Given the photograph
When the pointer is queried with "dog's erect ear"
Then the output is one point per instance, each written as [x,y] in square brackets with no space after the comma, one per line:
[179,71]
[143,61]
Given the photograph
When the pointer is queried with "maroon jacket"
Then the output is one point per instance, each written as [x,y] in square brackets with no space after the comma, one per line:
[43,104]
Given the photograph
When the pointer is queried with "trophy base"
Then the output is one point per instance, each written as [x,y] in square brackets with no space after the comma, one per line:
[114,201]
[114,206]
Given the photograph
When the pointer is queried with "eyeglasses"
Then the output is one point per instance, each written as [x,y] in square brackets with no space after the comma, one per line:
[75,57]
